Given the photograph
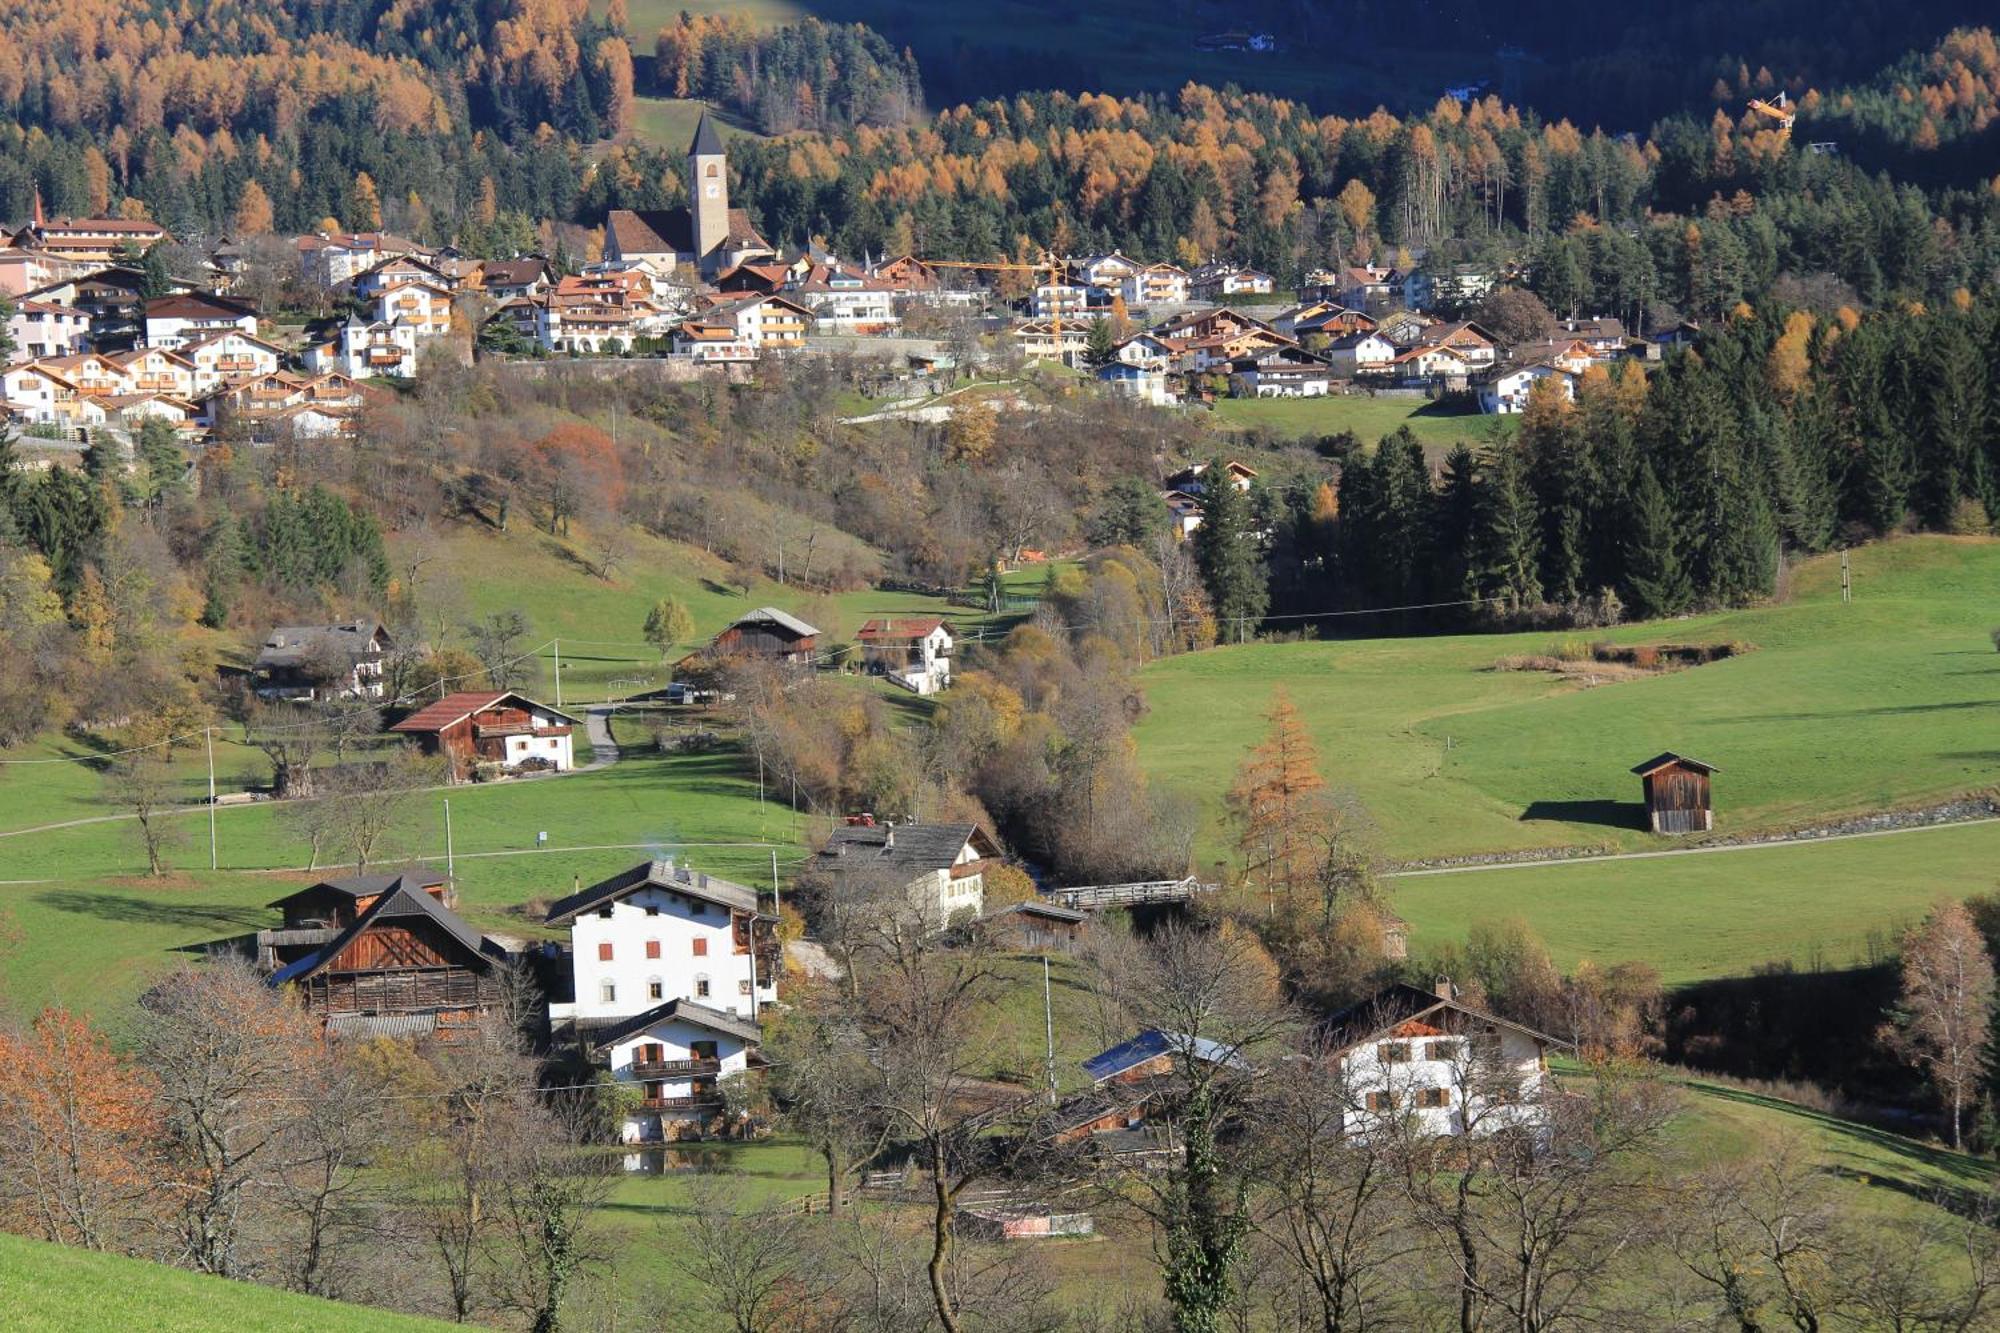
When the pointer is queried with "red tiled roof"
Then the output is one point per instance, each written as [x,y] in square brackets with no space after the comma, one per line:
[452,708]
[898,629]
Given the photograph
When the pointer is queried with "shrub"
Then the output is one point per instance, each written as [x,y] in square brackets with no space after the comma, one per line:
[1570,650]
[1646,657]
[1970,519]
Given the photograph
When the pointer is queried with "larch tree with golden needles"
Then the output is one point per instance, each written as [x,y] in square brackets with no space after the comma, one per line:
[1277,805]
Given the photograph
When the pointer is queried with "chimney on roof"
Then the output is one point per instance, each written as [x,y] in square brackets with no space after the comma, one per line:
[1445,990]
[889,837]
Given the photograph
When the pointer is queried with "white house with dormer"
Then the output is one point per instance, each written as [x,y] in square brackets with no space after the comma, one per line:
[939,867]
[674,1057]
[1419,1060]
[658,932]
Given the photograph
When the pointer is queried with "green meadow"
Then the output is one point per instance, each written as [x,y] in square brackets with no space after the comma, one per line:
[1836,709]
[1437,426]
[54,1289]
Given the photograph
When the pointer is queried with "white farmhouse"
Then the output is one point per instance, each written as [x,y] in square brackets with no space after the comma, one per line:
[1505,390]
[660,932]
[1422,1060]
[941,867]
[1360,354]
[675,1055]
[912,651]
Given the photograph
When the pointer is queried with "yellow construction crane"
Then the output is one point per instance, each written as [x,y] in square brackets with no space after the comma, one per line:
[1051,265]
[1779,108]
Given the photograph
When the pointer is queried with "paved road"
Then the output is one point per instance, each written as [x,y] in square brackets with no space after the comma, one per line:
[1793,841]
[603,749]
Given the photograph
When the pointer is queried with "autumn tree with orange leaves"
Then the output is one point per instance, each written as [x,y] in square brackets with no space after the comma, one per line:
[77,1125]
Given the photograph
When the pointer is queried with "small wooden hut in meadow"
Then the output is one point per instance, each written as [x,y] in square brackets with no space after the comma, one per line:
[1677,793]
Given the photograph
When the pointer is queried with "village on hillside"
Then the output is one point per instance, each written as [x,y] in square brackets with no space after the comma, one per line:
[103,342]
[782,668]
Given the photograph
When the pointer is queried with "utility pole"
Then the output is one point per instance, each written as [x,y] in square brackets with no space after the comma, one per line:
[777,906]
[1846,580]
[558,644]
[208,738]
[449,865]
[1048,1025]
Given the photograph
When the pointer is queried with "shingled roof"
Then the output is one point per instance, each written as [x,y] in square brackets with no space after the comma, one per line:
[685,1011]
[368,886]
[899,629]
[400,904]
[293,645]
[771,615]
[1402,1003]
[912,848]
[660,874]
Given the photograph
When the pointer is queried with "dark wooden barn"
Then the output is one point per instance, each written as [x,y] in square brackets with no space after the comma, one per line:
[406,966]
[1677,793]
[768,633]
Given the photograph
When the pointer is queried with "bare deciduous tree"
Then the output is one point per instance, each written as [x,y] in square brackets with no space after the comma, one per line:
[1531,1211]
[225,1049]
[755,1272]
[143,783]
[1761,1232]
[1213,995]
[1330,1201]
[1944,1014]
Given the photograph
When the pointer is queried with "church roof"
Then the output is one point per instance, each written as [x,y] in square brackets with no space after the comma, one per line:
[707,143]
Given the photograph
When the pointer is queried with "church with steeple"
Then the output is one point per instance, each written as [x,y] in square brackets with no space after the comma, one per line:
[707,237]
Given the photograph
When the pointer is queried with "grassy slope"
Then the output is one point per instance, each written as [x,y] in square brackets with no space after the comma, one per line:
[1833,903]
[91,934]
[601,620]
[669,123]
[1370,418]
[50,1289]
[1840,709]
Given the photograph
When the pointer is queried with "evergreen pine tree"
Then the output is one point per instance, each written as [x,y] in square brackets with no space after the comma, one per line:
[1400,551]
[155,277]
[1950,453]
[1509,541]
[1100,346]
[1456,525]
[1226,553]
[1655,583]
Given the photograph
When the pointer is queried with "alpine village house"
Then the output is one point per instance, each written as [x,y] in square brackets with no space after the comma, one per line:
[667,968]
[382,956]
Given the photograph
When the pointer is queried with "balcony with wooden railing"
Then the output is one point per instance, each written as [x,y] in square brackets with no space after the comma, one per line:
[700,1101]
[662,1069]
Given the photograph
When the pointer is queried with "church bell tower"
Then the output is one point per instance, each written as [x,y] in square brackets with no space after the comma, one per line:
[708,194]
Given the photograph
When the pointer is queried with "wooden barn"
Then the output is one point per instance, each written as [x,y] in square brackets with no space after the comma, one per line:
[406,967]
[498,727]
[768,633]
[1678,799]
[316,914]
[1036,927]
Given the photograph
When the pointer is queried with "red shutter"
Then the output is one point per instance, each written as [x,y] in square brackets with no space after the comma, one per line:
[652,948]
[604,951]
[701,948]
